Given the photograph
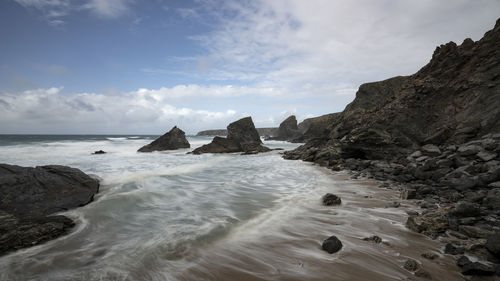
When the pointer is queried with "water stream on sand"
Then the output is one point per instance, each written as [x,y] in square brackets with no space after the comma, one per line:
[173,216]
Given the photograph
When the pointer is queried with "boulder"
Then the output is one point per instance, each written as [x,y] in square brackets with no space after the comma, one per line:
[466,209]
[30,195]
[463,261]
[454,249]
[331,199]
[411,265]
[332,245]
[431,150]
[241,137]
[172,140]
[99,152]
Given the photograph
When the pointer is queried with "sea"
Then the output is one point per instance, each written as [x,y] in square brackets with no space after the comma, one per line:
[177,216]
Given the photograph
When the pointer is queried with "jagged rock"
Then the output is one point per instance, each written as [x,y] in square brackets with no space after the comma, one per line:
[331,199]
[242,137]
[478,268]
[29,195]
[288,130]
[174,139]
[332,245]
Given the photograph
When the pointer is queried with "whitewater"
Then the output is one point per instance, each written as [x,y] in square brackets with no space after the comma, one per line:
[177,216]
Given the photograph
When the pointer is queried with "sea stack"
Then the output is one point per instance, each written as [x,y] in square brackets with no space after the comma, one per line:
[288,130]
[174,139]
[241,137]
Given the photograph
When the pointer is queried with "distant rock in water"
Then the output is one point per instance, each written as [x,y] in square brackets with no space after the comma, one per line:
[288,130]
[174,139]
[99,152]
[29,195]
[242,137]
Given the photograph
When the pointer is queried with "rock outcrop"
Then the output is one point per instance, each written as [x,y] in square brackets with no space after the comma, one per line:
[315,127]
[30,195]
[174,139]
[271,131]
[436,136]
[288,130]
[242,137]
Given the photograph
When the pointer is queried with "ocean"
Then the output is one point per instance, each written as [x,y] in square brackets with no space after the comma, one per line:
[177,216]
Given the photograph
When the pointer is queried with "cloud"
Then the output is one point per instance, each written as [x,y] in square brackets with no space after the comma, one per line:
[55,11]
[293,42]
[142,112]
[109,8]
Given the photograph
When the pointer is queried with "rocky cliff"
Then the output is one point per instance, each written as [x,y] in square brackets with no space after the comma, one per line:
[435,135]
[223,132]
[453,99]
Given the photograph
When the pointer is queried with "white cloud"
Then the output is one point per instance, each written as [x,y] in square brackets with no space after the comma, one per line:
[142,111]
[109,8]
[289,43]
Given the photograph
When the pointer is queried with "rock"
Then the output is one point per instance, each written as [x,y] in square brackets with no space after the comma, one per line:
[29,195]
[463,261]
[466,209]
[373,238]
[423,274]
[416,154]
[468,150]
[411,265]
[431,150]
[473,231]
[332,245]
[430,256]
[493,244]
[486,156]
[478,268]
[174,139]
[453,249]
[99,152]
[331,199]
[288,130]
[408,193]
[494,184]
[242,137]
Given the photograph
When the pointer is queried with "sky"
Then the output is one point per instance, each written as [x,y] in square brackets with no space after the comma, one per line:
[141,67]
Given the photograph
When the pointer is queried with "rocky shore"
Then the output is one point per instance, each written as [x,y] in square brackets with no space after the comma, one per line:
[434,135]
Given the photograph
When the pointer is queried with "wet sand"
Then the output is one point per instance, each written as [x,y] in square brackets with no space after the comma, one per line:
[285,244]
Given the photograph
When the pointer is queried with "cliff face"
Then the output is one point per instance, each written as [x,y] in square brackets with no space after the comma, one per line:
[453,99]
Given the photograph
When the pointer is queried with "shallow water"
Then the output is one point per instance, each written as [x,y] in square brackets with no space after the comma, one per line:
[173,216]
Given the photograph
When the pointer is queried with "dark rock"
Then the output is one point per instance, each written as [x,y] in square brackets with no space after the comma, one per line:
[466,209]
[411,265]
[373,238]
[408,193]
[453,249]
[463,261]
[430,256]
[174,139]
[493,244]
[331,199]
[29,195]
[242,137]
[478,268]
[332,245]
[288,129]
[423,274]
[99,152]
[473,231]
[431,150]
